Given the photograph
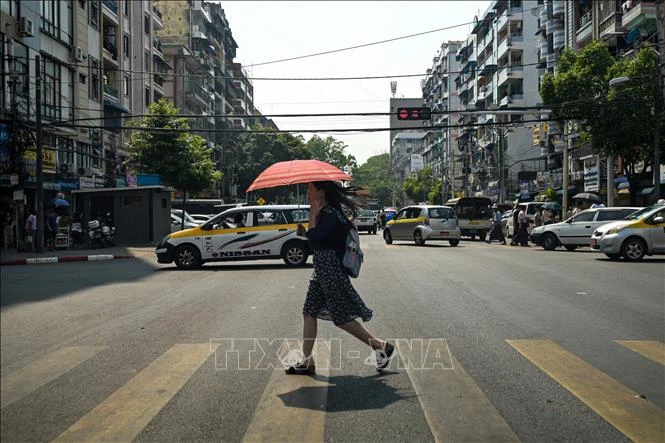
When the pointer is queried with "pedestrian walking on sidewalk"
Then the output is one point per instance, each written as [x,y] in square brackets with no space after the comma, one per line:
[30,230]
[330,295]
[7,231]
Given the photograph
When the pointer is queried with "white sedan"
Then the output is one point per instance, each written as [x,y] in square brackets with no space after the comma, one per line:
[366,221]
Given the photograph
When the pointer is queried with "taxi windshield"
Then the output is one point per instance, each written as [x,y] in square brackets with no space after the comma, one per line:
[642,212]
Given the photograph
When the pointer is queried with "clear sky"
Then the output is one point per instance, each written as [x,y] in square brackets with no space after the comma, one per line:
[267,31]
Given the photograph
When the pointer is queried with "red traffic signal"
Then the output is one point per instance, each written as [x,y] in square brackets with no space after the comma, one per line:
[422,113]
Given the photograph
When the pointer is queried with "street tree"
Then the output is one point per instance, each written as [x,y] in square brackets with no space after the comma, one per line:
[418,185]
[162,144]
[332,151]
[374,175]
[259,150]
[616,121]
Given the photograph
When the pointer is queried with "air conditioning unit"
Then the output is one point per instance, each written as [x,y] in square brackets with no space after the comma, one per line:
[78,54]
[85,172]
[67,168]
[26,27]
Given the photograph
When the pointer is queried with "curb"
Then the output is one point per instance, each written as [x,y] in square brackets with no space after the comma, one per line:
[63,259]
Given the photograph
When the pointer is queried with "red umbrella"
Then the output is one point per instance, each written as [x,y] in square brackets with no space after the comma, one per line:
[297,171]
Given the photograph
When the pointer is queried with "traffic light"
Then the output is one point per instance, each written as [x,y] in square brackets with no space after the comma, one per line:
[422,113]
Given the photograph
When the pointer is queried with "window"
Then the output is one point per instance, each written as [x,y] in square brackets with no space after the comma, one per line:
[126,8]
[125,45]
[146,24]
[50,16]
[82,79]
[51,93]
[83,154]
[441,213]
[93,14]
[267,218]
[617,214]
[147,96]
[584,217]
[125,85]
[95,79]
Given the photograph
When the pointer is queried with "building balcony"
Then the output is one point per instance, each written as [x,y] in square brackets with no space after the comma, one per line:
[641,15]
[157,19]
[611,27]
[199,8]
[559,38]
[584,29]
[513,14]
[199,32]
[512,42]
[558,7]
[111,92]
[507,72]
[554,24]
[158,87]
[110,53]
[551,61]
[110,9]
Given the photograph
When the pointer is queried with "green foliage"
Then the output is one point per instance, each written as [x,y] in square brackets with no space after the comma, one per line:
[434,197]
[331,151]
[183,160]
[618,121]
[374,175]
[418,185]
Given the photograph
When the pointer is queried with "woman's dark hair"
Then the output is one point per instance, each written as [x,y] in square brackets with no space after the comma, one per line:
[340,197]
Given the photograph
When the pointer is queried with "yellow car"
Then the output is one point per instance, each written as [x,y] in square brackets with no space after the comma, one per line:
[639,234]
[421,223]
[245,233]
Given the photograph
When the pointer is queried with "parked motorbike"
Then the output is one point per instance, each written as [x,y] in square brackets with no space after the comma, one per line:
[101,231]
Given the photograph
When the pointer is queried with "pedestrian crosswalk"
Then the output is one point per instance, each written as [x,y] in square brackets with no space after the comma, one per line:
[453,404]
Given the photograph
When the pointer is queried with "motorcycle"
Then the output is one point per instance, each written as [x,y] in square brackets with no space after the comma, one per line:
[101,231]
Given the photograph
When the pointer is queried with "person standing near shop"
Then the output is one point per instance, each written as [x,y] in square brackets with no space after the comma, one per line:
[30,230]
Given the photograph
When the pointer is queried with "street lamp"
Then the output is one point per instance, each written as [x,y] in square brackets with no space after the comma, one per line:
[656,144]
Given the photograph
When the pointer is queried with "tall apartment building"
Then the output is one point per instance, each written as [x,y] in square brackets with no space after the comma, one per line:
[440,94]
[498,71]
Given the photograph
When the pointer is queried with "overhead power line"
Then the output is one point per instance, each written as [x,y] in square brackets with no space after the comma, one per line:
[364,45]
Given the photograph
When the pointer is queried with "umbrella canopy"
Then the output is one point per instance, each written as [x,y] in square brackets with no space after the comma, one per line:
[587,196]
[554,206]
[297,171]
[60,202]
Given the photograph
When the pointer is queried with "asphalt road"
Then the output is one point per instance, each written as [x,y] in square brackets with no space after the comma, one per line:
[521,344]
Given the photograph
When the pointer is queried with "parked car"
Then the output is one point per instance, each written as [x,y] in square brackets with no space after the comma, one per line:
[176,223]
[200,218]
[577,230]
[641,233]
[530,208]
[244,233]
[366,221]
[421,223]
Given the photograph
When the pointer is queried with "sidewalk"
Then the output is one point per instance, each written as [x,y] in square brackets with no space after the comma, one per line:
[11,258]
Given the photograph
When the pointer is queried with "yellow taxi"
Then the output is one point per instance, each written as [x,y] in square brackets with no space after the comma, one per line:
[245,233]
[641,233]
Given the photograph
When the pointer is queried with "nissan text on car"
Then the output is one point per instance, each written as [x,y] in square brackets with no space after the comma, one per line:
[245,233]
[577,230]
[641,233]
[421,223]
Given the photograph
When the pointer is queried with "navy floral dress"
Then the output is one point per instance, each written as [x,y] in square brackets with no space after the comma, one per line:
[330,295]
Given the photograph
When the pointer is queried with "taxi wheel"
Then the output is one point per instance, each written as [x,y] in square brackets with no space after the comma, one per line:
[294,254]
[633,249]
[387,237]
[453,242]
[187,257]
[418,238]
[549,242]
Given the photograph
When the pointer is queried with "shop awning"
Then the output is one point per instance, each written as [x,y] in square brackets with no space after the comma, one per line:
[623,185]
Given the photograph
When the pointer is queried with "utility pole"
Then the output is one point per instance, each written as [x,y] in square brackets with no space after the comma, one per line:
[39,193]
[657,98]
[566,132]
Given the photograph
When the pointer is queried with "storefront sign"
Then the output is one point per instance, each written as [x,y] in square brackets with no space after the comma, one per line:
[49,160]
[592,173]
[86,183]
[417,162]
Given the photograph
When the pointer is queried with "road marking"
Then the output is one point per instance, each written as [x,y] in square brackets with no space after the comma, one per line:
[455,407]
[22,382]
[124,414]
[653,350]
[639,419]
[292,407]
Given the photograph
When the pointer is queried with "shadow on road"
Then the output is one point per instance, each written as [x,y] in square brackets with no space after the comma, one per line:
[34,283]
[346,393]
[218,266]
[646,260]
